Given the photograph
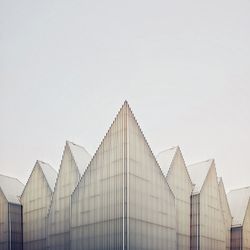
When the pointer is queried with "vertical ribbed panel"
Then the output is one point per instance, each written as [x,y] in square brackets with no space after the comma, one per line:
[58,229]
[4,233]
[35,200]
[226,213]
[152,219]
[98,219]
[207,221]
[123,200]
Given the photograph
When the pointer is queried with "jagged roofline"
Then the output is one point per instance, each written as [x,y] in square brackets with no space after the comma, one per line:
[58,173]
[248,204]
[222,183]
[212,163]
[175,154]
[37,164]
[19,197]
[125,104]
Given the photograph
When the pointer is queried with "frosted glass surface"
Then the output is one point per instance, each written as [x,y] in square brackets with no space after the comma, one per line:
[123,200]
[58,233]
[207,222]
[36,201]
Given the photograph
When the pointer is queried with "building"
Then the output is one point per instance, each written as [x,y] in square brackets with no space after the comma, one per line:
[226,212]
[207,221]
[11,235]
[74,161]
[123,200]
[239,203]
[35,200]
[174,168]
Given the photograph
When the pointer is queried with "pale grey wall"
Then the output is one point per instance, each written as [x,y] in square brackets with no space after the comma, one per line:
[67,66]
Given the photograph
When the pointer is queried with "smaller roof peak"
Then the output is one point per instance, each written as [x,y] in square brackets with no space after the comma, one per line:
[80,155]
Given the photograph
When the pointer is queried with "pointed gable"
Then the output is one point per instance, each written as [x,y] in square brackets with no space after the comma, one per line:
[165,159]
[198,173]
[50,174]
[80,155]
[123,191]
[238,200]
[12,188]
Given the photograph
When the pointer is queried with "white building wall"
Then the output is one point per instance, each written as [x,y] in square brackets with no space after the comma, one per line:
[58,233]
[35,200]
[246,229]
[212,229]
[4,233]
[226,213]
[181,185]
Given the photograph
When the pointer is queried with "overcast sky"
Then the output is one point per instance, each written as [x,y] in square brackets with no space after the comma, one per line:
[66,67]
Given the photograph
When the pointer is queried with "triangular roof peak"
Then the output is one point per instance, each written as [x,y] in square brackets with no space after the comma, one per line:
[80,155]
[165,158]
[238,200]
[198,173]
[12,188]
[49,173]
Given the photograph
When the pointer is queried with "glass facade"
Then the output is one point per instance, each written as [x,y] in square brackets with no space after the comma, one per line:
[4,222]
[123,200]
[207,222]
[58,233]
[36,200]
[11,230]
[181,185]
[226,212]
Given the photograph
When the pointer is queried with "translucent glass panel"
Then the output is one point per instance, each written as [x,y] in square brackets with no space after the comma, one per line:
[123,200]
[151,204]
[246,229]
[236,238]
[4,234]
[36,201]
[15,227]
[98,203]
[181,186]
[226,213]
[207,222]
[59,212]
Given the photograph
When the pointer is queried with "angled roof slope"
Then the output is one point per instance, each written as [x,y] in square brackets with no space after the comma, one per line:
[12,188]
[198,173]
[49,173]
[238,200]
[165,158]
[80,155]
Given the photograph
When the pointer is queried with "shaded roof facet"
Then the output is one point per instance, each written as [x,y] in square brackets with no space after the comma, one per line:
[80,155]
[12,188]
[49,173]
[198,173]
[238,200]
[165,158]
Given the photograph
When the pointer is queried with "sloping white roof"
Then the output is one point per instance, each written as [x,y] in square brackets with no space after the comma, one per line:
[165,158]
[81,156]
[12,188]
[198,173]
[238,200]
[49,173]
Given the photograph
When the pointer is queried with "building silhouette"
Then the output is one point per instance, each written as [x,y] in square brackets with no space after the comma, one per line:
[123,198]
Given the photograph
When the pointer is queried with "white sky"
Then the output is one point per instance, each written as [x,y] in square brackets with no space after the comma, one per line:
[67,66]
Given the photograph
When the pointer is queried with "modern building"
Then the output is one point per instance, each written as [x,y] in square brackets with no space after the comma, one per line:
[35,200]
[74,161]
[174,168]
[226,212]
[207,221]
[123,200]
[11,235]
[239,202]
